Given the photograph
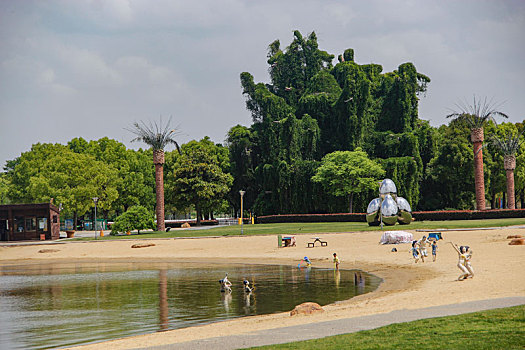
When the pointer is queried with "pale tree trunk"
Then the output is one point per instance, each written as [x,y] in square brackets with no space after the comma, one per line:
[477,138]
[158,159]
[350,202]
[510,165]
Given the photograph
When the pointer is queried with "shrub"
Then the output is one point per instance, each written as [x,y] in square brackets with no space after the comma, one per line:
[441,215]
[135,218]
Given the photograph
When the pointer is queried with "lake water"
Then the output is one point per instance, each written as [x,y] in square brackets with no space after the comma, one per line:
[56,305]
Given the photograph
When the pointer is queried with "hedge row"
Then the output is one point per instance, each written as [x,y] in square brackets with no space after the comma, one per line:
[418,215]
[191,222]
[341,217]
[468,214]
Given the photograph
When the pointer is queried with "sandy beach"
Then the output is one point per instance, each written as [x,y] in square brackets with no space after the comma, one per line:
[498,272]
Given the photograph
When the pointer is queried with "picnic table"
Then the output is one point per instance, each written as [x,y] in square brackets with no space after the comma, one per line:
[317,239]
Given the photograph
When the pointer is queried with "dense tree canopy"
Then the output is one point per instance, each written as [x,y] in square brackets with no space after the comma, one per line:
[317,123]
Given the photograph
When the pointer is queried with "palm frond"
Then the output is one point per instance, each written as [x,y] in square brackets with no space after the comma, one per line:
[509,144]
[155,134]
[478,113]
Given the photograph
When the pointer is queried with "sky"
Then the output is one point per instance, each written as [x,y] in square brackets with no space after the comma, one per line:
[92,68]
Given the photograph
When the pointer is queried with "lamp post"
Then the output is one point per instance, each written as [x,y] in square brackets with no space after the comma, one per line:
[95,199]
[242,195]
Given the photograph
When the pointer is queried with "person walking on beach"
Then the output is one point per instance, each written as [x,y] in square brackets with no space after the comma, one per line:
[434,250]
[422,243]
[468,252]
[336,262]
[414,251]
[462,256]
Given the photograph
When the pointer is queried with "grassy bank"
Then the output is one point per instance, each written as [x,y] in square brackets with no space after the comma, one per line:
[493,329]
[320,227]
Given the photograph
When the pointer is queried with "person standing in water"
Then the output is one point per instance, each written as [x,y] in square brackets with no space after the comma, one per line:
[307,261]
[247,288]
[225,284]
[336,262]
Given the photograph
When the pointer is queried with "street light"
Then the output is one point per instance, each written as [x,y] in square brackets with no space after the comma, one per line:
[95,199]
[242,195]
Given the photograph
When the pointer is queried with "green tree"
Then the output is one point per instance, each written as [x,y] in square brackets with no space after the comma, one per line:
[54,171]
[198,177]
[136,178]
[135,218]
[157,137]
[449,174]
[345,173]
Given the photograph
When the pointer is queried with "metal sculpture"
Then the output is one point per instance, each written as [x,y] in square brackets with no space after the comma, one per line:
[389,208]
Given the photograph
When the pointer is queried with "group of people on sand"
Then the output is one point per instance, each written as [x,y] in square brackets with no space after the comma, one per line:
[419,251]
[226,285]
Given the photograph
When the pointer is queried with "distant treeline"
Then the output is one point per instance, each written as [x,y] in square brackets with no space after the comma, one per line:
[310,108]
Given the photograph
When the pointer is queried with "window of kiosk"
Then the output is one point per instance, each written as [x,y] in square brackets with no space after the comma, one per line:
[19,224]
[42,224]
[30,224]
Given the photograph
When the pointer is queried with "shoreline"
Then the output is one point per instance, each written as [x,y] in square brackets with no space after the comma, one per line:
[405,285]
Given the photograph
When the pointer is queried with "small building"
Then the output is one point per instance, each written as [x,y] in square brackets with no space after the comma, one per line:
[21,222]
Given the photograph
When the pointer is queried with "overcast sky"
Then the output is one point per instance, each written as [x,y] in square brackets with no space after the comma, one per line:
[91,68]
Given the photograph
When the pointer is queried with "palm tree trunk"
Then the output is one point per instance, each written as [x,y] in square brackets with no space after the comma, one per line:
[477,138]
[158,159]
[510,165]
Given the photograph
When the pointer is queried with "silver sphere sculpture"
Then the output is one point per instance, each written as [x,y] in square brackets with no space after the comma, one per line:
[389,208]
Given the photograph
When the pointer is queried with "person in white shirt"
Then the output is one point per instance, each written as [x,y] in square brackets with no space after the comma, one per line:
[422,243]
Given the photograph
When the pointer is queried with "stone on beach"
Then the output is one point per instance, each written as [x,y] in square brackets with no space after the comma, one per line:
[307,308]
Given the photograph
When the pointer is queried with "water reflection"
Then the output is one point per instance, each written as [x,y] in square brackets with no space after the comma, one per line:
[46,306]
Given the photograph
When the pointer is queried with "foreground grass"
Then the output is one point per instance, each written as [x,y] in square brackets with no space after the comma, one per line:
[493,329]
[317,227]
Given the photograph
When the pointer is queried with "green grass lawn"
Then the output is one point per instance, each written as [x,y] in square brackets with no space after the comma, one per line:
[319,227]
[493,329]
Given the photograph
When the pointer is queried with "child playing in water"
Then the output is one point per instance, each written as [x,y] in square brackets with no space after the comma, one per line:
[434,250]
[414,251]
[307,261]
[336,262]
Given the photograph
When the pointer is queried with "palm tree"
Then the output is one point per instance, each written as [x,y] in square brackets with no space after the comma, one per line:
[477,115]
[157,137]
[509,145]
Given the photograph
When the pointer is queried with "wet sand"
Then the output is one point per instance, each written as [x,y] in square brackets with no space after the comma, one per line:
[498,273]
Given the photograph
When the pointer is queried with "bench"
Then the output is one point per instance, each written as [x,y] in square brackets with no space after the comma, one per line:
[317,239]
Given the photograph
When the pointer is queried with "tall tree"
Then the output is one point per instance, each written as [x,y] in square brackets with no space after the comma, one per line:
[157,137]
[477,115]
[345,173]
[54,171]
[198,177]
[509,144]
